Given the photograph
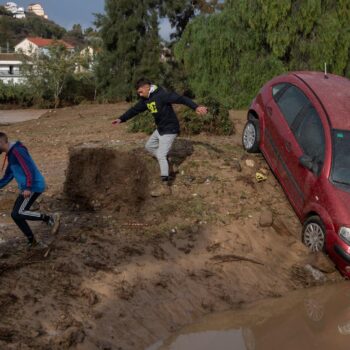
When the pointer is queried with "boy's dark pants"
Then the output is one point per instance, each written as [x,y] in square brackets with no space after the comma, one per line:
[21,214]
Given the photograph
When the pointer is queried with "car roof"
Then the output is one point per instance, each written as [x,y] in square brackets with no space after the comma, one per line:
[334,94]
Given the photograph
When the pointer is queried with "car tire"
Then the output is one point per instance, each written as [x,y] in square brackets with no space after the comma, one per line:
[314,234]
[251,135]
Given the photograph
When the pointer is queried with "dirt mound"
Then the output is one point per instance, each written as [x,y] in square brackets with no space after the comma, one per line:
[112,177]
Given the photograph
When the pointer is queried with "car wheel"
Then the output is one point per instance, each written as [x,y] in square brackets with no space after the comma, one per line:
[251,136]
[314,234]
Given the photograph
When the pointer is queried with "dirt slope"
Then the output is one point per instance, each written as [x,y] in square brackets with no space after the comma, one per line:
[122,278]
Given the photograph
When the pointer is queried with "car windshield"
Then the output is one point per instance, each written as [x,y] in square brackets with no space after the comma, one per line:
[341,157]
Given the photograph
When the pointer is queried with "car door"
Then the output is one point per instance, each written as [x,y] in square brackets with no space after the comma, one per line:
[282,111]
[309,134]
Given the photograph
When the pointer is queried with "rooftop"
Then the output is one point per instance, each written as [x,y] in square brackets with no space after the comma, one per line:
[334,92]
[42,42]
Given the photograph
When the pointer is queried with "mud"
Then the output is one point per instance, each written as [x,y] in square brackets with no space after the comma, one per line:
[101,177]
[116,280]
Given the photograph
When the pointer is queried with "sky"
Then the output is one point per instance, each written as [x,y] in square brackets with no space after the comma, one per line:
[69,12]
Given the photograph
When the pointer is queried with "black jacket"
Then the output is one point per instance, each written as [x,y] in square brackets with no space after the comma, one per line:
[159,104]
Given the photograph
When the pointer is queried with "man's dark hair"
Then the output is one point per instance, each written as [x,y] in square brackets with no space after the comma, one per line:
[3,136]
[142,82]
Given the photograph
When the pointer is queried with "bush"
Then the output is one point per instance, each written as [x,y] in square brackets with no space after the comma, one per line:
[216,122]
[18,95]
[144,122]
[78,88]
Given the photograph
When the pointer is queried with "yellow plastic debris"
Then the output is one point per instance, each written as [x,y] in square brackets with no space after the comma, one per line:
[260,177]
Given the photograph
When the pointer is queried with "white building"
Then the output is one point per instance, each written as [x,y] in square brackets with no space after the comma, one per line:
[88,56]
[37,9]
[10,68]
[18,12]
[34,45]
[11,7]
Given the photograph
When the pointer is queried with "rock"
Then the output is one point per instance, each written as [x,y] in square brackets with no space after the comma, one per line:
[316,274]
[321,262]
[250,163]
[266,218]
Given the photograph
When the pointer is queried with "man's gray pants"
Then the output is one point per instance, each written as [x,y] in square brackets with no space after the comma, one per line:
[159,146]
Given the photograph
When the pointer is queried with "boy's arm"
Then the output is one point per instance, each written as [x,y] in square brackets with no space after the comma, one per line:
[174,98]
[26,164]
[133,111]
[7,178]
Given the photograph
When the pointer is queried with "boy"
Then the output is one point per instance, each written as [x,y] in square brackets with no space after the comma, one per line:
[31,184]
[159,102]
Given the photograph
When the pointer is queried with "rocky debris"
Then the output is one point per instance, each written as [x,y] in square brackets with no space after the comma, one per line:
[321,262]
[266,218]
[250,163]
[315,273]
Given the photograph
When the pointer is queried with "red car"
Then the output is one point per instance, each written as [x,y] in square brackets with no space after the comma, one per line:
[301,123]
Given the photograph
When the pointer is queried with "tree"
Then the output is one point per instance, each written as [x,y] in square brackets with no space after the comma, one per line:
[47,74]
[75,36]
[180,12]
[131,46]
[229,55]
[12,30]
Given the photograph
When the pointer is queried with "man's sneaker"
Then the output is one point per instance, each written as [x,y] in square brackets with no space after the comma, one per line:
[36,245]
[32,244]
[54,222]
[163,190]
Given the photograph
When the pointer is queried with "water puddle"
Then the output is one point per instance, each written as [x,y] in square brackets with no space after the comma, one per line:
[317,318]
[20,115]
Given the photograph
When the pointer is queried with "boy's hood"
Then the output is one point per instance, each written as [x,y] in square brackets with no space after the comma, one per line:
[154,89]
[15,144]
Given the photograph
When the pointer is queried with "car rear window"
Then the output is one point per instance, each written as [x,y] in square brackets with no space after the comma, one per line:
[291,102]
[341,157]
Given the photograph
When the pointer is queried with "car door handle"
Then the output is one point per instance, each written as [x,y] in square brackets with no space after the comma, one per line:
[288,146]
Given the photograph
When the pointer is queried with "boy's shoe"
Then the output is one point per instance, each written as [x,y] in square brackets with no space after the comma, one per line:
[54,222]
[162,190]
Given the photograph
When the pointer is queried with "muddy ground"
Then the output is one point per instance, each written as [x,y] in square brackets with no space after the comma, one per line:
[129,271]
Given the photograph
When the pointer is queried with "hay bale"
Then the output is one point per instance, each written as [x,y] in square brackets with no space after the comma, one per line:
[108,176]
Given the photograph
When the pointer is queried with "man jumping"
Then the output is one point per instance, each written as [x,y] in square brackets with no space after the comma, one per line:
[31,183]
[159,102]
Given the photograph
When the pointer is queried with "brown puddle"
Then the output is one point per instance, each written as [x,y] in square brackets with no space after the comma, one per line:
[317,318]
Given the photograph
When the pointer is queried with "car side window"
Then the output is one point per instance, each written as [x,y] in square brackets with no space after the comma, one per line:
[291,102]
[311,136]
[278,89]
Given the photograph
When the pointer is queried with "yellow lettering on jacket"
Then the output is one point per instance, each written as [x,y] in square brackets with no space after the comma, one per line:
[152,107]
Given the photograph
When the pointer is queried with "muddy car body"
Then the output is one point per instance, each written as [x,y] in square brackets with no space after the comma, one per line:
[301,123]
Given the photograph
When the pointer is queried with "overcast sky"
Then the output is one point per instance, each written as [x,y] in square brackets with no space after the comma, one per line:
[69,12]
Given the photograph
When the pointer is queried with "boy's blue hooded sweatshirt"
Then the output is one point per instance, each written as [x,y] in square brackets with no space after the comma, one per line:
[22,168]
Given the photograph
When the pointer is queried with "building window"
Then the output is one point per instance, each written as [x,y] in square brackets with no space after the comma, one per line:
[11,70]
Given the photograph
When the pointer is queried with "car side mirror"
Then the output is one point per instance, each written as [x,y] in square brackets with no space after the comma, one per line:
[308,163]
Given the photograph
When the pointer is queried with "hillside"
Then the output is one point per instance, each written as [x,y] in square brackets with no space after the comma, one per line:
[13,30]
